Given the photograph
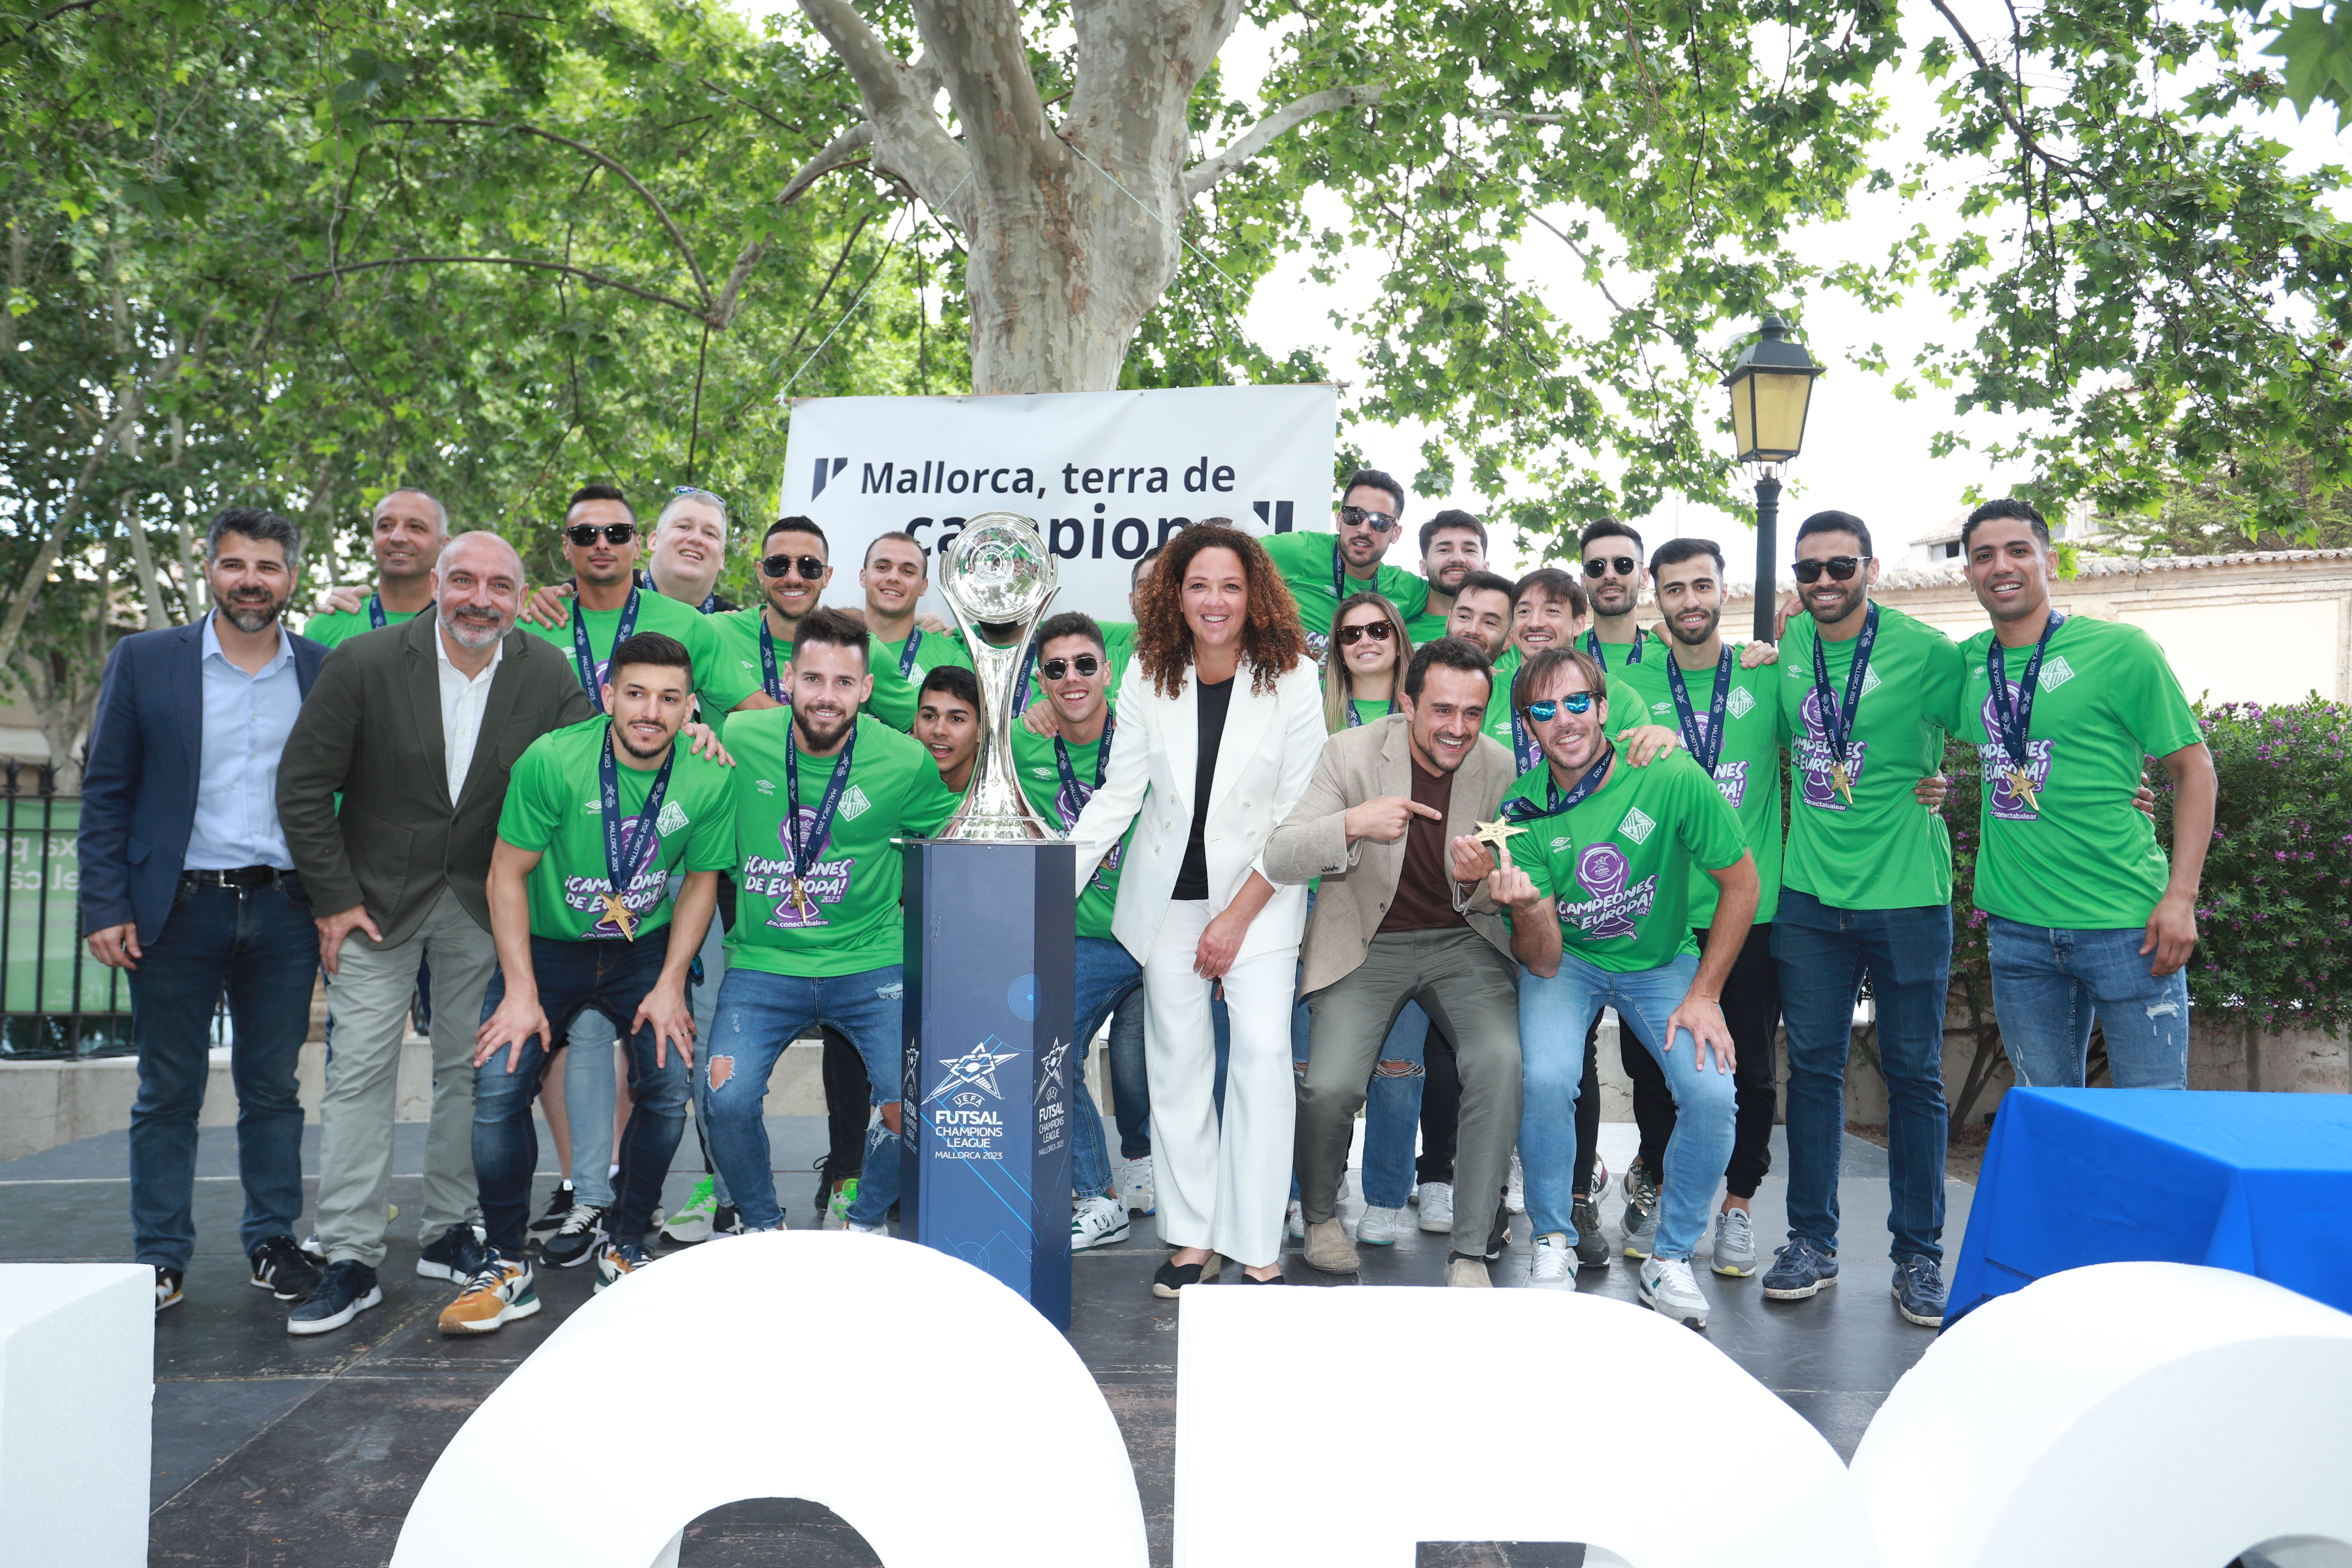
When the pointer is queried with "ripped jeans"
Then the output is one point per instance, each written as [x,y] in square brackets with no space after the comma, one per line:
[2047,985]
[759,1015]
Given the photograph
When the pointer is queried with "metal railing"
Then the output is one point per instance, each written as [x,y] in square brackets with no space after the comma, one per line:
[54,999]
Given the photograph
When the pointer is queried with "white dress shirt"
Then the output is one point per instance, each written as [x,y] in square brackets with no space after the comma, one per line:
[463,697]
[245,720]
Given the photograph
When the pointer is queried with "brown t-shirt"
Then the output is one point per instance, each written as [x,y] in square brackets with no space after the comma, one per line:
[1424,892]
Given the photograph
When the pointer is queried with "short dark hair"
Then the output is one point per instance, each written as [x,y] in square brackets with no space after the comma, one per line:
[650,648]
[1146,559]
[1374,478]
[1675,551]
[956,681]
[259,524]
[1452,517]
[2010,507]
[900,534]
[600,492]
[1071,623]
[1454,653]
[797,525]
[1552,583]
[833,627]
[1835,523]
[1607,527]
[1537,672]
[1487,583]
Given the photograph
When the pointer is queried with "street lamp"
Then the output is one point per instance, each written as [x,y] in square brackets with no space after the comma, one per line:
[1769,386]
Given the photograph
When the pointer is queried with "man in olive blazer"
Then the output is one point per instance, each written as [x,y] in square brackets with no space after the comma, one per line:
[389,791]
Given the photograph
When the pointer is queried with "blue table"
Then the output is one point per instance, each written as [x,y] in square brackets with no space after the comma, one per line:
[2260,1183]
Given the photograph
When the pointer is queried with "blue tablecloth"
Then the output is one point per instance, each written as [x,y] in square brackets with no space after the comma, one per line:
[2260,1183]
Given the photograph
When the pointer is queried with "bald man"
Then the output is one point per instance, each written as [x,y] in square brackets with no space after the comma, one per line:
[414,732]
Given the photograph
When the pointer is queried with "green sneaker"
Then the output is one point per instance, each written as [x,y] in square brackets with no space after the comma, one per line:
[838,1212]
[692,1222]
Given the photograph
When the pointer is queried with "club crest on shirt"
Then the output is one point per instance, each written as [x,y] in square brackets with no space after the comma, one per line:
[854,804]
[2055,673]
[1637,826]
[1740,703]
[672,818]
[648,884]
[1994,757]
[1814,758]
[828,881]
[1613,908]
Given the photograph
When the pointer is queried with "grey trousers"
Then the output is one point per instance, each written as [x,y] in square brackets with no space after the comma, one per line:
[1472,992]
[369,999]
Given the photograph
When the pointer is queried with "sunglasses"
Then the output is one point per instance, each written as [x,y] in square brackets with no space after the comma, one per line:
[1841,568]
[584,534]
[1575,702]
[812,569]
[1601,565]
[697,493]
[1085,664]
[1356,517]
[1349,637]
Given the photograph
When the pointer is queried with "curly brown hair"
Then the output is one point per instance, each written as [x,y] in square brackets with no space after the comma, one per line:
[1273,641]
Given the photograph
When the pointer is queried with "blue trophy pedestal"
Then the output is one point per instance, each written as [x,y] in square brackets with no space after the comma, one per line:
[991,982]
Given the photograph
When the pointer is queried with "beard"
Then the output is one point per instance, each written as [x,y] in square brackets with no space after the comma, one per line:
[1849,600]
[1691,639]
[251,612]
[643,755]
[812,738]
[469,628]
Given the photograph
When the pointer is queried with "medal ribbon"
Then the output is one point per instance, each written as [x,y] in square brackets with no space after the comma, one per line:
[1703,748]
[1525,750]
[1837,719]
[1632,654]
[1356,719]
[621,858]
[770,682]
[2015,720]
[1520,809]
[582,656]
[906,655]
[1078,792]
[805,855]
[375,612]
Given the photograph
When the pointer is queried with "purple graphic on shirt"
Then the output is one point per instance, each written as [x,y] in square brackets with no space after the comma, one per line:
[1601,869]
[1814,758]
[828,881]
[647,887]
[1994,757]
[1731,781]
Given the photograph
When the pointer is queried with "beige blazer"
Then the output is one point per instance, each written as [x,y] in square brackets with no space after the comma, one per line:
[1360,882]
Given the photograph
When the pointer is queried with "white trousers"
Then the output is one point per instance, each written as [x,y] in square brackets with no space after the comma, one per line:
[1222,1188]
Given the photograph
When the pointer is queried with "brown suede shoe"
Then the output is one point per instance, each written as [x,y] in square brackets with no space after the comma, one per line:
[1471,1272]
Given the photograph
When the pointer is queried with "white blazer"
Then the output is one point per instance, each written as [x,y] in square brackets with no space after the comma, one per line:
[1264,759]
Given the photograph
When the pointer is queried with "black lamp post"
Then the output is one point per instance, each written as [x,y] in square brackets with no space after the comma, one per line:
[1770,387]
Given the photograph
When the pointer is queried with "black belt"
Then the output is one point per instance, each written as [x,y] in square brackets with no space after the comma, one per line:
[242,876]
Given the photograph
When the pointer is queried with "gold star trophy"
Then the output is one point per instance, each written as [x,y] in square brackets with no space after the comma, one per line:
[1498,835]
[618,908]
[1842,781]
[2021,787]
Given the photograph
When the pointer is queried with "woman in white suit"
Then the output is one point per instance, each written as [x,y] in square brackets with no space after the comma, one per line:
[1220,726]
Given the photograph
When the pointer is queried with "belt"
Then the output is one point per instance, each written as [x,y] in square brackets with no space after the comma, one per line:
[242,876]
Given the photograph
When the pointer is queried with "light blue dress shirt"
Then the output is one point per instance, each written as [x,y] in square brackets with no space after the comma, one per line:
[246,719]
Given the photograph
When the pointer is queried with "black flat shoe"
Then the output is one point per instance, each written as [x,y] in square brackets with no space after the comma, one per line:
[1173,1277]
[1246,1279]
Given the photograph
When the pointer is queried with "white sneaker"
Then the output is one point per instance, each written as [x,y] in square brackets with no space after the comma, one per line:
[1642,1242]
[1514,1197]
[1555,1265]
[1296,1226]
[1735,1244]
[855,1228]
[1379,1228]
[1668,1286]
[1437,1207]
[1135,1187]
[1099,1222]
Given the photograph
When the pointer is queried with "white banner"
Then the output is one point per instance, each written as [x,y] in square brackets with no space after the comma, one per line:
[1106,475]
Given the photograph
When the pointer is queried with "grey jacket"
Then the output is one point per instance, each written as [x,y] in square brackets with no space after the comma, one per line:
[1359,883]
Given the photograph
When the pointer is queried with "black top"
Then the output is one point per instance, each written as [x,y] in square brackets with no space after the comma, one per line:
[1215,697]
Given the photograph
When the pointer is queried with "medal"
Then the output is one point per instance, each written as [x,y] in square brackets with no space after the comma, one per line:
[1499,833]
[1705,746]
[583,658]
[1841,782]
[1837,718]
[2016,718]
[622,857]
[804,853]
[799,899]
[618,913]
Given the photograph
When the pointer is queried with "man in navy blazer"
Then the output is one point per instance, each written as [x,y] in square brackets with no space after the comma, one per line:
[186,884]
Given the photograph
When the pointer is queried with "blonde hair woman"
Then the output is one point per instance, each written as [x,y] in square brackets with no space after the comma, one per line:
[1363,661]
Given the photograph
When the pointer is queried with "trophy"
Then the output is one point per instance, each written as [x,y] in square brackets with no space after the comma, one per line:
[997,575]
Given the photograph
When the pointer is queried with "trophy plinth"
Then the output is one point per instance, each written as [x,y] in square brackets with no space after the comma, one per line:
[997,573]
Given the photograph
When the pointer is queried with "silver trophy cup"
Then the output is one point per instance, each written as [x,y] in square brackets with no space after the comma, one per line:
[998,575]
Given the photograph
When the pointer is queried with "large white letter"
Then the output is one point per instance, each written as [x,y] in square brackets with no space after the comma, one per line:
[77,1399]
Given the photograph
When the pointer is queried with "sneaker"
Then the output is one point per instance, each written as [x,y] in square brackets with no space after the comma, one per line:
[558,1205]
[616,1258]
[1641,1186]
[504,1290]
[1919,1290]
[1437,1207]
[167,1287]
[574,1241]
[1641,1242]
[853,1228]
[1554,1268]
[1515,1196]
[347,1289]
[1735,1244]
[727,1220]
[456,1256]
[837,1209]
[313,1251]
[279,1268]
[692,1222]
[1295,1226]
[1799,1269]
[1591,1245]
[1669,1289]
[1098,1221]
[1379,1228]
[1135,1187]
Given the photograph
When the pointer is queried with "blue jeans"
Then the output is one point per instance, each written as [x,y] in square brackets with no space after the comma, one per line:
[760,1013]
[1822,954]
[588,1092]
[1108,977]
[612,978]
[2047,985]
[260,945]
[1555,1014]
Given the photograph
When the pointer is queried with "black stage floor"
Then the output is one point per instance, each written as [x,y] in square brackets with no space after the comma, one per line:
[274,1450]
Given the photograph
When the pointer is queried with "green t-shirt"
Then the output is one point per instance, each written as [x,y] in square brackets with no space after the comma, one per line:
[1885,851]
[719,683]
[1307,562]
[1746,770]
[852,922]
[1118,646]
[1370,712]
[555,805]
[340,627]
[2082,858]
[1041,780]
[1428,626]
[1617,866]
[1497,721]
[896,696]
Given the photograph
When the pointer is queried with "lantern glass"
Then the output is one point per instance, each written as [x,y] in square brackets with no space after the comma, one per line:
[1770,387]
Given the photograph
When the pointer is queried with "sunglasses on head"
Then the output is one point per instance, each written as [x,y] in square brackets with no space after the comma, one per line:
[1841,568]
[1575,702]
[812,569]
[584,534]
[1358,516]
[1379,631]
[1624,565]
[698,493]
[1085,664]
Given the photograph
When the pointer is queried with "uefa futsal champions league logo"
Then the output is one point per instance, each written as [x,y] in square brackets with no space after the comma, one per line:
[1611,912]
[1994,757]
[965,1106]
[1814,758]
